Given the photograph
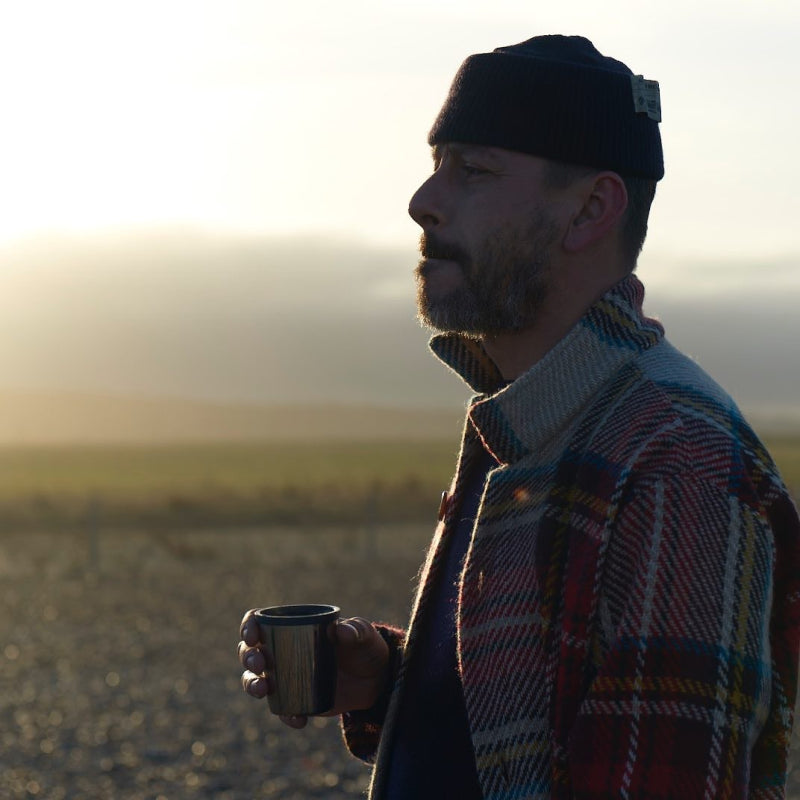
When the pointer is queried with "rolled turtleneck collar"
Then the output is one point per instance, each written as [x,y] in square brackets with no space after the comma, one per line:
[522,417]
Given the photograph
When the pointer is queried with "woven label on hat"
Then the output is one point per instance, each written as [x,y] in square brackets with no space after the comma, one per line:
[646,97]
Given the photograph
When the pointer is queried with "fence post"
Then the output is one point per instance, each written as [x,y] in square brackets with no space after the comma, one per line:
[371,522]
[92,525]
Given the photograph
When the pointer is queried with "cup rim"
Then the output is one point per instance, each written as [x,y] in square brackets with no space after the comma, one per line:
[297,614]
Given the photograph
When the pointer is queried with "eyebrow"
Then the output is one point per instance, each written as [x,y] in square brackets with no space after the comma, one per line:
[461,151]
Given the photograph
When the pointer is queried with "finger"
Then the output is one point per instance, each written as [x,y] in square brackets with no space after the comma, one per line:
[255,685]
[250,632]
[295,721]
[253,659]
[354,630]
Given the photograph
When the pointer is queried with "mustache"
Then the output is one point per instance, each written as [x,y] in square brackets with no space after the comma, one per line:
[432,247]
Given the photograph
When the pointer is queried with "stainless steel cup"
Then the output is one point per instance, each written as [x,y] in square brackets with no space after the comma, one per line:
[304,658]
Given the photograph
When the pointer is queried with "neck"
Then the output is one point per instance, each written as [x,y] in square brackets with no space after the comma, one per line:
[515,352]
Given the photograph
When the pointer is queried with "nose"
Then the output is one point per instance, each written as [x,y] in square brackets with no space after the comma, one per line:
[425,206]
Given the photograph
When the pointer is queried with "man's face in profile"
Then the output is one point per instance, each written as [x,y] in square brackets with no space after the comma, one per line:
[487,241]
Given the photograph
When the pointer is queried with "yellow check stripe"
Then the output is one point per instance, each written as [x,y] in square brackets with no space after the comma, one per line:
[660,686]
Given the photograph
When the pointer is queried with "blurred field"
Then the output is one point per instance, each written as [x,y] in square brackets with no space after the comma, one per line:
[232,484]
[222,484]
[786,452]
[124,573]
[119,678]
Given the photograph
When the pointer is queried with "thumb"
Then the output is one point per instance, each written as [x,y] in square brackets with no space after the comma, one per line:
[354,630]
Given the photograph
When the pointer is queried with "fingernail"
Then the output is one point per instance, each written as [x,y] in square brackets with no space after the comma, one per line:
[353,628]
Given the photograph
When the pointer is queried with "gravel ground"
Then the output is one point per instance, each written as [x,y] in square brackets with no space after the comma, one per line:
[118,674]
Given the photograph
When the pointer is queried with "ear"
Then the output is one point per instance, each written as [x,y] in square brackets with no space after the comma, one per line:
[604,200]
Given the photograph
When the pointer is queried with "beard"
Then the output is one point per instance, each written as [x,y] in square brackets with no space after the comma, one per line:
[505,281]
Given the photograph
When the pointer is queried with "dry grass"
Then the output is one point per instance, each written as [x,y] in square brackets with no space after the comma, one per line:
[222,485]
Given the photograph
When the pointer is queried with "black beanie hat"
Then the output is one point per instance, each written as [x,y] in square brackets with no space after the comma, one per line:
[559,98]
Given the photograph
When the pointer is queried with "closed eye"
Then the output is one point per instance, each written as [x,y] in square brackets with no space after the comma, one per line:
[470,170]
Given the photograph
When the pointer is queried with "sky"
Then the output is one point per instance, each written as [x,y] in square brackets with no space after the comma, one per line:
[176,123]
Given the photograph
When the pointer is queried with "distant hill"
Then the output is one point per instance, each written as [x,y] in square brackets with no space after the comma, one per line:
[39,418]
[311,320]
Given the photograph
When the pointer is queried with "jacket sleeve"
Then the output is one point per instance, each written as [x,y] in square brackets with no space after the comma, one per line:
[694,674]
[362,729]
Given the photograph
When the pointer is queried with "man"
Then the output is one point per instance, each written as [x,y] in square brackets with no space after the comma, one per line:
[610,605]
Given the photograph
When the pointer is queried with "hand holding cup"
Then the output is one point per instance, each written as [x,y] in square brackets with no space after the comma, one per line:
[360,654]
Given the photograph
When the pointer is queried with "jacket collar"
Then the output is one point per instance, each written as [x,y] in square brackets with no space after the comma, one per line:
[526,415]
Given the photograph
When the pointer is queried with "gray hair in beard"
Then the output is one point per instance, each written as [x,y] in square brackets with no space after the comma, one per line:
[506,281]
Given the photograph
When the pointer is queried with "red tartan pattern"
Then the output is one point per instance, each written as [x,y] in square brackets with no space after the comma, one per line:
[629,614]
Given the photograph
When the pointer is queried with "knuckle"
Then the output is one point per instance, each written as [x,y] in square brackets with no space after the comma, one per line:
[363,626]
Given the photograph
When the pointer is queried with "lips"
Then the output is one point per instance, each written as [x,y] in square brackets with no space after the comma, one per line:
[427,266]
[434,261]
[436,250]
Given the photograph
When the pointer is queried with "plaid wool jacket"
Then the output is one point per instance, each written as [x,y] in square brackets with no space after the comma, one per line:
[629,608]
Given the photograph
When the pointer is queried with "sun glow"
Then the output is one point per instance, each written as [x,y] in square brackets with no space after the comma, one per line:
[198,196]
[306,116]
